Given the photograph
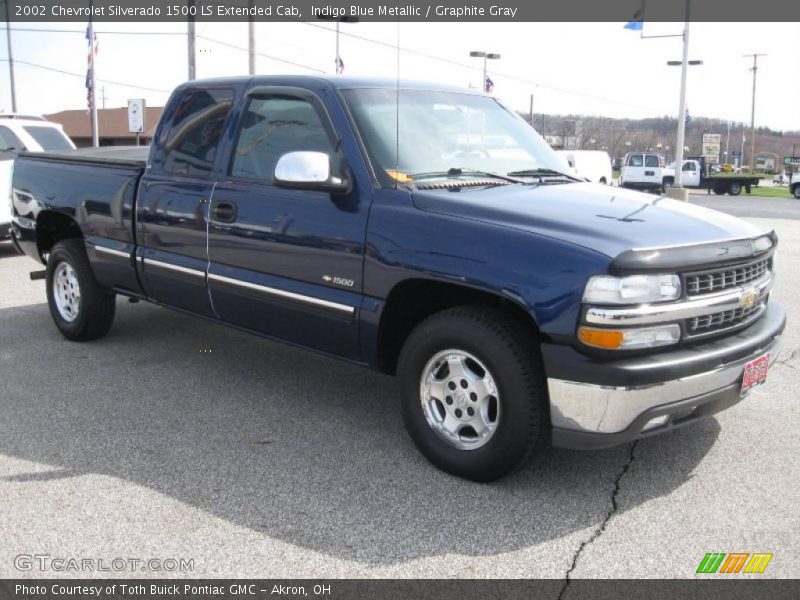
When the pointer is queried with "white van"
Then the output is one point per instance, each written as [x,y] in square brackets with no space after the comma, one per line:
[29,133]
[592,165]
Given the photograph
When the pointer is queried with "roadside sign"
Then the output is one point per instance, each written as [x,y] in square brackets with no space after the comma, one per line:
[136,115]
[791,161]
[736,154]
[711,147]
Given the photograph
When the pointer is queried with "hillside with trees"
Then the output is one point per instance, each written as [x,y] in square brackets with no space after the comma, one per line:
[618,136]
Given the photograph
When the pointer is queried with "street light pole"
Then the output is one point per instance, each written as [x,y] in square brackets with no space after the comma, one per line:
[485,56]
[682,104]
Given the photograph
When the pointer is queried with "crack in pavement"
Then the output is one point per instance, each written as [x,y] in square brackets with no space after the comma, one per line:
[602,527]
[791,357]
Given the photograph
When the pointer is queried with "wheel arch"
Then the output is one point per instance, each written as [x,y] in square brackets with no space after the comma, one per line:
[413,300]
[52,227]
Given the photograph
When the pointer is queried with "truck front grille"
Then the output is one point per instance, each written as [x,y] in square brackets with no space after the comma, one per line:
[723,279]
[722,320]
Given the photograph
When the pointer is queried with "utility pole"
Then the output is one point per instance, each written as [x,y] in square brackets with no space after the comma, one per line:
[11,63]
[103,95]
[251,46]
[754,69]
[192,40]
[531,111]
[728,144]
[682,104]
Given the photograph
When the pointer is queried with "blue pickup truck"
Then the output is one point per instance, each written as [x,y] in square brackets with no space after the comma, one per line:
[424,231]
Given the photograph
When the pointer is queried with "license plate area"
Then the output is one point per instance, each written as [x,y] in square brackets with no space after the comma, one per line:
[755,373]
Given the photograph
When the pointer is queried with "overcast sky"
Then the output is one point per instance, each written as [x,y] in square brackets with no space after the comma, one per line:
[589,68]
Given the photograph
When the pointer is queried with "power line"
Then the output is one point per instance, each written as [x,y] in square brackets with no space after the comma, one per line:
[358,37]
[83,32]
[475,68]
[275,58]
[83,76]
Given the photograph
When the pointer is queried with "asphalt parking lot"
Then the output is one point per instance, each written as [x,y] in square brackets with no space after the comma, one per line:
[172,437]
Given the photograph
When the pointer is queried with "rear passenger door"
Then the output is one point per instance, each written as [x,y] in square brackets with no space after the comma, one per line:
[174,195]
[287,262]
[652,170]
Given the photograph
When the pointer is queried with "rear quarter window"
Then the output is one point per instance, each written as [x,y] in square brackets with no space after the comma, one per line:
[187,145]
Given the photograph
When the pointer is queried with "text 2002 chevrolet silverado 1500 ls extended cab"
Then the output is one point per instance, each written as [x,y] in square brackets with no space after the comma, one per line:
[425,232]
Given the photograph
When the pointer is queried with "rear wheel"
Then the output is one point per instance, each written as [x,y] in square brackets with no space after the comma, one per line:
[735,188]
[473,392]
[796,191]
[665,185]
[80,308]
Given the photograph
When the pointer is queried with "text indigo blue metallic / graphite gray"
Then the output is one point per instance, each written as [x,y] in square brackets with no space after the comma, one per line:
[420,231]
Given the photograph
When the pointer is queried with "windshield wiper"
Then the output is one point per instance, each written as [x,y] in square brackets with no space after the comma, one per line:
[541,172]
[458,172]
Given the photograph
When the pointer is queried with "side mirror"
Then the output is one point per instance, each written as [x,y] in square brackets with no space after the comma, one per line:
[307,170]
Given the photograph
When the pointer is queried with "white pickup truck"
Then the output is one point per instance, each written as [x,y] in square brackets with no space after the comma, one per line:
[646,171]
[23,133]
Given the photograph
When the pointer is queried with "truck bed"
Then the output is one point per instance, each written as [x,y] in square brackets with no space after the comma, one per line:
[93,187]
[115,155]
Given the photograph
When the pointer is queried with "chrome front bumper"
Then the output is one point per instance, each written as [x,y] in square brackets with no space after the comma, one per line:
[594,414]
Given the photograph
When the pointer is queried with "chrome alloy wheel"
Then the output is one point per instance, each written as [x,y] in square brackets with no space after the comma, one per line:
[460,399]
[66,292]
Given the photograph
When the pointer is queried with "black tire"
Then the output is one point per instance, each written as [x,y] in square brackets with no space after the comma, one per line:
[95,310]
[796,191]
[735,188]
[512,360]
[719,190]
[665,185]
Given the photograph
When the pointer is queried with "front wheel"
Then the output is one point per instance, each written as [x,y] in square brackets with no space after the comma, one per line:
[665,185]
[473,392]
[796,191]
[80,308]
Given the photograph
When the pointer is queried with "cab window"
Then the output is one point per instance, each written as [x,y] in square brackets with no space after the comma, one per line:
[273,126]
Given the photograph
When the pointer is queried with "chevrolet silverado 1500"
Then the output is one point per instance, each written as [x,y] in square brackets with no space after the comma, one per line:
[423,231]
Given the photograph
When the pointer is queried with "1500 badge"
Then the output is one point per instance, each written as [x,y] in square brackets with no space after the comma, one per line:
[338,281]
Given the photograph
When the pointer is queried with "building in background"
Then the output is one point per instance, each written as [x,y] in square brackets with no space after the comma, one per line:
[112,123]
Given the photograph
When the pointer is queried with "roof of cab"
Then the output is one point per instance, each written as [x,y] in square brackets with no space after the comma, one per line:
[333,81]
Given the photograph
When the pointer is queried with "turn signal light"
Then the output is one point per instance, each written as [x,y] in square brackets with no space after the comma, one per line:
[601,338]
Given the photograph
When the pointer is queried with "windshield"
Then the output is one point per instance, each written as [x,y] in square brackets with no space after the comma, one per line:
[445,134]
[49,138]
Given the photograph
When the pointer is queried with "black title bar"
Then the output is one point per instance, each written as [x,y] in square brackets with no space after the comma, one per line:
[411,10]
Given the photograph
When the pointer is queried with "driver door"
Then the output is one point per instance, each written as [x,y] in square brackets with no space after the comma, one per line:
[691,174]
[284,262]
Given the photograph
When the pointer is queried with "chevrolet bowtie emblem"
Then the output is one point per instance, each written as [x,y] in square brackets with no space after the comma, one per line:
[748,298]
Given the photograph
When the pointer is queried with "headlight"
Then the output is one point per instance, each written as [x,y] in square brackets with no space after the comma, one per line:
[630,339]
[633,289]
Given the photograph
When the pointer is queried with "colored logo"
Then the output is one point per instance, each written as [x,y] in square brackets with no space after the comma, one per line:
[734,562]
